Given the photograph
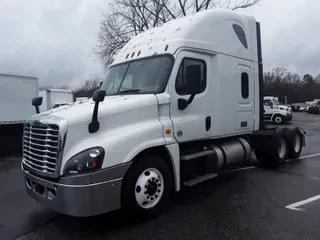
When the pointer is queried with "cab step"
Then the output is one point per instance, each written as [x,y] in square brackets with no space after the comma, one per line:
[197,155]
[200,179]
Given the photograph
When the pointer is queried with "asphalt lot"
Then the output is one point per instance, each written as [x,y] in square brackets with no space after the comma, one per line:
[244,204]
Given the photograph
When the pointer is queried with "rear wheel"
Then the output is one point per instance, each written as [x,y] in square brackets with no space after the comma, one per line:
[147,187]
[295,145]
[274,153]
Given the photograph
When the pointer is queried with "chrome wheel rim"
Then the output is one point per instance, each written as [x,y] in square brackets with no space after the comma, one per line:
[297,143]
[282,148]
[149,188]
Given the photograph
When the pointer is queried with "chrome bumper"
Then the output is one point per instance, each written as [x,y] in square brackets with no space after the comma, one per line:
[81,195]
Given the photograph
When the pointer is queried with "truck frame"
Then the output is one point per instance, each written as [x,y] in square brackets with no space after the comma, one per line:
[179,103]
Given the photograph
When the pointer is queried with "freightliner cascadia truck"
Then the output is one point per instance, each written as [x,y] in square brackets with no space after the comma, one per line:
[179,103]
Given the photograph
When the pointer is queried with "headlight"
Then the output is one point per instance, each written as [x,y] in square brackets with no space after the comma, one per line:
[84,162]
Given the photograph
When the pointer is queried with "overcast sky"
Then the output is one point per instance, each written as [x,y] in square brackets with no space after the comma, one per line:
[54,41]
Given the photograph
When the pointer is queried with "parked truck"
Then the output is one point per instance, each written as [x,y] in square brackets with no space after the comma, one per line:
[275,112]
[178,104]
[16,92]
[53,98]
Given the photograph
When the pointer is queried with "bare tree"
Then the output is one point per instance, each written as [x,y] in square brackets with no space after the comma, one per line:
[87,88]
[126,18]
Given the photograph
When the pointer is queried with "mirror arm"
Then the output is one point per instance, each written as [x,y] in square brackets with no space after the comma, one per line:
[37,109]
[183,103]
[94,125]
[191,99]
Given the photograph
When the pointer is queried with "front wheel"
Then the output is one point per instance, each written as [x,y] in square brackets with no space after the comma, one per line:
[147,187]
[278,119]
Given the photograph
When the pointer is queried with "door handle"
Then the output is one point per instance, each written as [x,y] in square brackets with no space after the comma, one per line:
[208,123]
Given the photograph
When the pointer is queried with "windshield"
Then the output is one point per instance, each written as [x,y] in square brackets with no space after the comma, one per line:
[276,102]
[147,75]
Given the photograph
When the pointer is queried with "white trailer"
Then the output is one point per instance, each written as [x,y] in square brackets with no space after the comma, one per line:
[179,103]
[52,98]
[16,93]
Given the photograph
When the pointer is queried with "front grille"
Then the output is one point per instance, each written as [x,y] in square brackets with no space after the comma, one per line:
[41,147]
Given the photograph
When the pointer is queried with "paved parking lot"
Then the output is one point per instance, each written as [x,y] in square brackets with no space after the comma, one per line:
[250,203]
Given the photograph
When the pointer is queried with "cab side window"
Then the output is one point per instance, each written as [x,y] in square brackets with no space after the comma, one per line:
[267,103]
[184,83]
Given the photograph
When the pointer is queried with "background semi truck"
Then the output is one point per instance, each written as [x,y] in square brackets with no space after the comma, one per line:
[16,92]
[275,112]
[179,103]
[54,98]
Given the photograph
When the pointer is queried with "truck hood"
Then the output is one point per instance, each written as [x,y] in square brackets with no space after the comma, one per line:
[283,107]
[81,111]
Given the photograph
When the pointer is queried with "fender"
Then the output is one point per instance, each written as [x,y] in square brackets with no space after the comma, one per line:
[174,152]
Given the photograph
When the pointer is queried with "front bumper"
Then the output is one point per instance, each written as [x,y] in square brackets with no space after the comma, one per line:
[81,195]
[287,118]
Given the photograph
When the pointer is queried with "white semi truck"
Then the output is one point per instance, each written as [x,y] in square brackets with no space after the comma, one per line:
[275,112]
[53,98]
[16,92]
[179,103]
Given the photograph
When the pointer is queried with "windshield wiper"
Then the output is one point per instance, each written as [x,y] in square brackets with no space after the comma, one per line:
[134,90]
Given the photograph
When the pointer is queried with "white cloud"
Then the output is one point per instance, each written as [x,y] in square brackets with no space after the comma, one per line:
[289,34]
[53,40]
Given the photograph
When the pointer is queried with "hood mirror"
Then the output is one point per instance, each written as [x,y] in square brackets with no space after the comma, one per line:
[37,101]
[98,97]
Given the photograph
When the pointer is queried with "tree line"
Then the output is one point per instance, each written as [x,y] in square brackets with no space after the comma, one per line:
[281,82]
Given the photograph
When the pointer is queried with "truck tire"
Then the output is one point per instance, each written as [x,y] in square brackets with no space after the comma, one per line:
[294,144]
[275,152]
[278,119]
[147,187]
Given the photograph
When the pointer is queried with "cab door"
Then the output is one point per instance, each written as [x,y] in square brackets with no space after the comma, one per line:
[190,100]
[268,109]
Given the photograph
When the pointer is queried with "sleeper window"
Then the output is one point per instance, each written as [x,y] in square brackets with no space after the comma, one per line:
[245,85]
[240,34]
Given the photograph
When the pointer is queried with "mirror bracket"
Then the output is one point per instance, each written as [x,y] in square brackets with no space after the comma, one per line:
[98,97]
[183,103]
